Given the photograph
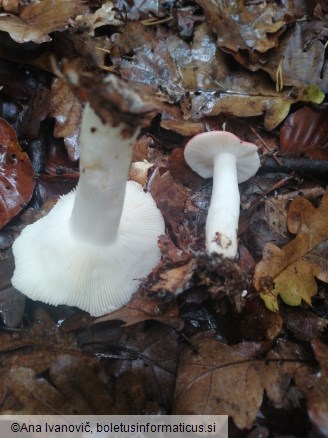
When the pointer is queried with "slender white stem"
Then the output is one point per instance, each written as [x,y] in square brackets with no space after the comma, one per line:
[223,214]
[105,156]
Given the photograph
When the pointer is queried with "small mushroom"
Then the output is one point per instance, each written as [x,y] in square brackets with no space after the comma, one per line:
[93,248]
[229,160]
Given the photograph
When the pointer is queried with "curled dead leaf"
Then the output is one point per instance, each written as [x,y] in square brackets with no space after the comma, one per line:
[303,132]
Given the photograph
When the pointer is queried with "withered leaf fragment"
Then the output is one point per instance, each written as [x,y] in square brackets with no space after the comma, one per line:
[34,394]
[12,302]
[105,15]
[314,386]
[76,378]
[16,175]
[202,72]
[291,271]
[299,66]
[63,393]
[251,27]
[217,378]
[170,197]
[278,371]
[38,19]
[304,324]
[304,132]
[67,110]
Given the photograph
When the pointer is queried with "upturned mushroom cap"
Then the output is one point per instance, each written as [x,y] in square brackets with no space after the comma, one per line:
[201,150]
[55,267]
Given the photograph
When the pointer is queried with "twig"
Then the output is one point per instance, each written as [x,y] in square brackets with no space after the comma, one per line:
[299,165]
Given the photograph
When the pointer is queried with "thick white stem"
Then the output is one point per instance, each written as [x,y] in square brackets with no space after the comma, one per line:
[105,156]
[223,214]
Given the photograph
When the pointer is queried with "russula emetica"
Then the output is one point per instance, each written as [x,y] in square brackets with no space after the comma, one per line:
[97,243]
[229,160]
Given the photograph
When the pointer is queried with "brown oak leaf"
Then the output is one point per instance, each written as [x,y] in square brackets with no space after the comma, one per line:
[214,378]
[291,271]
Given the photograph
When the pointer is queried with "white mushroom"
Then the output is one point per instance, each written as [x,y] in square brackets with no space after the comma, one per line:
[229,160]
[96,244]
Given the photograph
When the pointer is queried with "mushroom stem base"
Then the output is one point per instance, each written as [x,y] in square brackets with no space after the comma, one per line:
[55,267]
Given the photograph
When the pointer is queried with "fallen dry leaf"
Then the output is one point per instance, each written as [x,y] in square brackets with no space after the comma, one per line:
[142,10]
[30,393]
[103,16]
[187,17]
[276,207]
[43,349]
[258,323]
[37,110]
[145,306]
[12,302]
[304,324]
[16,175]
[299,59]
[131,398]
[67,110]
[170,197]
[199,76]
[132,316]
[304,132]
[9,343]
[278,370]
[183,127]
[38,360]
[161,64]
[34,394]
[300,66]
[219,89]
[175,280]
[46,339]
[10,5]
[77,380]
[314,386]
[182,173]
[149,350]
[290,271]
[217,378]
[253,27]
[321,354]
[38,19]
